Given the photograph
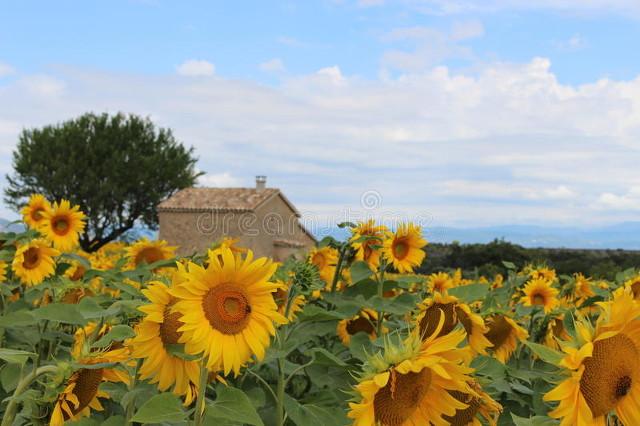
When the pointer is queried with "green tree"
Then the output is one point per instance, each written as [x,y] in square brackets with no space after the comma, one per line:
[116,167]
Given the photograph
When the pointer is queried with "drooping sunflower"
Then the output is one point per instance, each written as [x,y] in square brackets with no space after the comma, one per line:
[81,392]
[154,334]
[325,259]
[404,247]
[634,285]
[439,282]
[364,239]
[281,296]
[33,261]
[582,289]
[479,406]
[148,252]
[504,334]
[228,310]
[556,331]
[604,363]
[33,212]
[409,384]
[539,292]
[454,313]
[62,225]
[365,321]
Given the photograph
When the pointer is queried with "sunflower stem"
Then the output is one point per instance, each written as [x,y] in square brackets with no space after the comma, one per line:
[12,407]
[132,384]
[202,391]
[380,278]
[280,393]
[336,276]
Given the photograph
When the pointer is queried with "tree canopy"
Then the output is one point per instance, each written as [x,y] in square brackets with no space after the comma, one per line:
[116,167]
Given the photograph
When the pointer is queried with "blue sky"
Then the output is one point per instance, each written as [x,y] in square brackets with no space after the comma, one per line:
[461,112]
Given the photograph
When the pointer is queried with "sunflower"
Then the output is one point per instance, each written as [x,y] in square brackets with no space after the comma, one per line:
[582,289]
[504,334]
[148,252]
[364,322]
[538,292]
[404,248]
[228,310]
[555,331]
[281,296]
[365,237]
[62,225]
[604,363]
[154,335]
[455,312]
[408,384]
[3,271]
[634,285]
[325,259]
[74,295]
[81,391]
[544,273]
[478,405]
[498,281]
[439,282]
[33,212]
[33,261]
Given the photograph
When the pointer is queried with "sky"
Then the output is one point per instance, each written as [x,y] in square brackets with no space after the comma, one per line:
[457,113]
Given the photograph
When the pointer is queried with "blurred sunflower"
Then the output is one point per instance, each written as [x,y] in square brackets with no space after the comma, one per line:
[365,237]
[539,292]
[281,296]
[154,336]
[365,322]
[62,225]
[74,295]
[148,252]
[504,334]
[3,271]
[604,364]
[634,285]
[455,312]
[33,261]
[439,282]
[542,273]
[228,310]
[479,406]
[582,287]
[33,212]
[325,259]
[555,331]
[498,280]
[404,247]
[408,384]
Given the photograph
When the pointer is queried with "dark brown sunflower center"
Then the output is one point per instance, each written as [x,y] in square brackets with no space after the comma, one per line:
[429,323]
[75,295]
[538,299]
[148,255]
[400,248]
[499,331]
[87,382]
[402,395]
[36,214]
[609,373]
[466,416]
[169,333]
[227,308]
[60,225]
[635,288]
[319,260]
[359,324]
[31,258]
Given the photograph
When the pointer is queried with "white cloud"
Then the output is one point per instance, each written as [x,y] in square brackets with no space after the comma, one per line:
[43,85]
[272,65]
[527,147]
[219,180]
[489,6]
[370,3]
[6,70]
[573,43]
[290,41]
[196,68]
[467,30]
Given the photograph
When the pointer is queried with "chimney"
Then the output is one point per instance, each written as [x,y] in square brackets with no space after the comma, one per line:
[261,182]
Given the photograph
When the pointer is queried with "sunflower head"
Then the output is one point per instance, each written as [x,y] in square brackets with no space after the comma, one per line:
[148,252]
[479,405]
[404,247]
[325,259]
[539,292]
[634,285]
[367,239]
[227,310]
[365,321]
[34,261]
[503,334]
[582,287]
[63,225]
[33,212]
[439,282]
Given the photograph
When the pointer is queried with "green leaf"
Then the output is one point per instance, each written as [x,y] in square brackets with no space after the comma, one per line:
[60,312]
[164,407]
[313,415]
[509,265]
[316,313]
[360,271]
[533,421]
[470,293]
[232,404]
[90,309]
[324,357]
[118,333]
[114,421]
[546,354]
[14,356]
[10,376]
[18,318]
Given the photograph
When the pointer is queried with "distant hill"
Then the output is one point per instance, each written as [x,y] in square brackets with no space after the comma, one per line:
[8,226]
[620,236]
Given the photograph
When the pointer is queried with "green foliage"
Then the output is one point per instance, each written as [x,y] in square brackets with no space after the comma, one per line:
[117,168]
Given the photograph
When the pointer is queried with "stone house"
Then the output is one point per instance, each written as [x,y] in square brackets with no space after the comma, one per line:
[262,218]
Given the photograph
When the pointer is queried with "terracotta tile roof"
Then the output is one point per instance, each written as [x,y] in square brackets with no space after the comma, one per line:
[221,199]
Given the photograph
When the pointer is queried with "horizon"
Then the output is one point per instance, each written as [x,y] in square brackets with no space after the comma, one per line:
[469,128]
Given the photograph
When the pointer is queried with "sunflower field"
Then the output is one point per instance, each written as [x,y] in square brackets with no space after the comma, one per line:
[132,334]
